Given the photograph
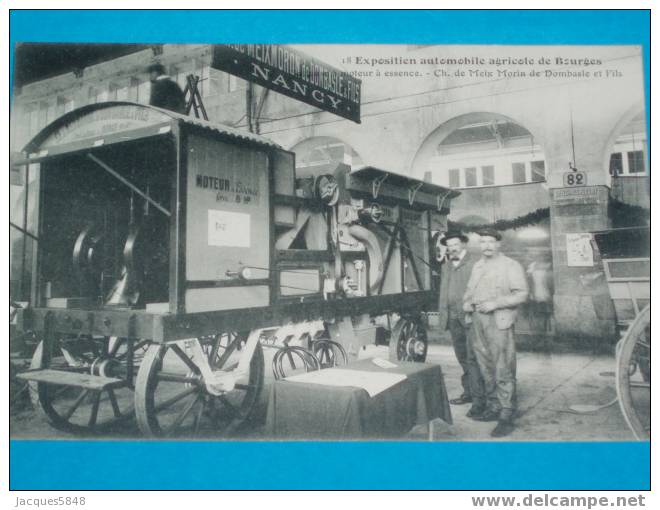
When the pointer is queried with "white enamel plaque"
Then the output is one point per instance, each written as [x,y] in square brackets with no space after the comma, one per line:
[228,228]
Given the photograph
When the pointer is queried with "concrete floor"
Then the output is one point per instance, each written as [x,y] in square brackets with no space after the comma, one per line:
[548,385]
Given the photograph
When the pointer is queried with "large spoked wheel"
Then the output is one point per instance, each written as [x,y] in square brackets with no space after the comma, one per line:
[78,410]
[633,375]
[171,399]
[409,341]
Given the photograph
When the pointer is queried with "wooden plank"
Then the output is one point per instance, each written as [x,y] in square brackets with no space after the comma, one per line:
[303,256]
[63,378]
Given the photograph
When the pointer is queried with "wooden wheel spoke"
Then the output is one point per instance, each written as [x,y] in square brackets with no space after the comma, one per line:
[123,355]
[95,410]
[198,417]
[160,406]
[69,412]
[113,403]
[184,414]
[173,400]
[182,355]
[174,377]
[231,347]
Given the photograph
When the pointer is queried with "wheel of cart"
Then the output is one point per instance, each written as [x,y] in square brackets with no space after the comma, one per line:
[633,375]
[83,383]
[408,340]
[198,387]
[626,261]
[248,245]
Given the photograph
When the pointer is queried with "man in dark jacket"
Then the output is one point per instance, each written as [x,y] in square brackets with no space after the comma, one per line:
[165,92]
[454,276]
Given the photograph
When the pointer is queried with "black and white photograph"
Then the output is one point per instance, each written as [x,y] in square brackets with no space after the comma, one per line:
[302,242]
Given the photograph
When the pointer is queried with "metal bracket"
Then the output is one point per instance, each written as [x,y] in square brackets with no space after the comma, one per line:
[413,191]
[439,202]
[376,184]
[219,382]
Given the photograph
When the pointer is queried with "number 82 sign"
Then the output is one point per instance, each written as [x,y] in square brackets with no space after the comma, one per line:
[575,179]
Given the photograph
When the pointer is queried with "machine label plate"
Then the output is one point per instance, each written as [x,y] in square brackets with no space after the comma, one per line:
[228,228]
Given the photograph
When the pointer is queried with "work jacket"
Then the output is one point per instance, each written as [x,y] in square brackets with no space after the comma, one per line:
[449,294]
[506,285]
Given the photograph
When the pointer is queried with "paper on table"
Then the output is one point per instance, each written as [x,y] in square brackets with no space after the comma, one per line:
[383,363]
[373,382]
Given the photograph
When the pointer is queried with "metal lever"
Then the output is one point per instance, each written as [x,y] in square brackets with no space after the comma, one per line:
[129,184]
[376,184]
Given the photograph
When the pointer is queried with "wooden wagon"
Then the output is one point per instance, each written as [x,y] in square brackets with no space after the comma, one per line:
[172,250]
[625,255]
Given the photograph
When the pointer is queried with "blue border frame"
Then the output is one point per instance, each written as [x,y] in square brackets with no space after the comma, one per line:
[127,465]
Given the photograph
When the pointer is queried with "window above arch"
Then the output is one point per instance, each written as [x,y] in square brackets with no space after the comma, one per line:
[492,153]
[629,153]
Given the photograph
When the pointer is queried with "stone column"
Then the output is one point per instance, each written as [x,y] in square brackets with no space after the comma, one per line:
[582,308]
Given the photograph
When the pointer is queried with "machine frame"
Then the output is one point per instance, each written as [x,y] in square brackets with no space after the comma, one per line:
[83,333]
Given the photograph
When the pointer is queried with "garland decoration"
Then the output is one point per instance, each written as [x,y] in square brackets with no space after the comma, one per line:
[627,215]
[622,215]
[531,218]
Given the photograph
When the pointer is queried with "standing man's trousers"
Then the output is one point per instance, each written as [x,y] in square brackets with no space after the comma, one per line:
[471,378]
[495,351]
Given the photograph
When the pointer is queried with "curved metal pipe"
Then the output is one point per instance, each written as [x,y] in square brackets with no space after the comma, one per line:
[370,241]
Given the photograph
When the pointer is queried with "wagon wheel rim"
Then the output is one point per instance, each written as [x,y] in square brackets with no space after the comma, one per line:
[409,341]
[78,410]
[172,399]
[633,386]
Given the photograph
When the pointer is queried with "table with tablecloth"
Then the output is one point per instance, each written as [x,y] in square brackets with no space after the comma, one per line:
[302,410]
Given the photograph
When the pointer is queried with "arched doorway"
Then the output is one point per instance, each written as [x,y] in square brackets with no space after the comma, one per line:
[499,168]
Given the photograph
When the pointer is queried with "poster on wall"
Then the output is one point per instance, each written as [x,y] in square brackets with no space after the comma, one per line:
[579,252]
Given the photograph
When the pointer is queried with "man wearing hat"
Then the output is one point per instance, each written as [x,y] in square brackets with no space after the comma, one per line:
[165,92]
[454,276]
[496,288]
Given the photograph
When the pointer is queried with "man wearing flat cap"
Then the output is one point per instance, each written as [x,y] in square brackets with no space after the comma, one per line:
[496,288]
[165,92]
[454,276]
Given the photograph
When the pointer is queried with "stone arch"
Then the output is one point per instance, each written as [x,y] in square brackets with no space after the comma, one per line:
[440,133]
[634,111]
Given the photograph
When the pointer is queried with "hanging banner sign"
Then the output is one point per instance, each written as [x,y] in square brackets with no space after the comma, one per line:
[294,74]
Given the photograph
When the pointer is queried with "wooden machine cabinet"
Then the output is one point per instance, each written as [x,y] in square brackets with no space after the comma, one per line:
[172,251]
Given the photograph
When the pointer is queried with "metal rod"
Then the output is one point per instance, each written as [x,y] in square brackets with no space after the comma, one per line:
[573,139]
[25,222]
[129,184]
[23,231]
